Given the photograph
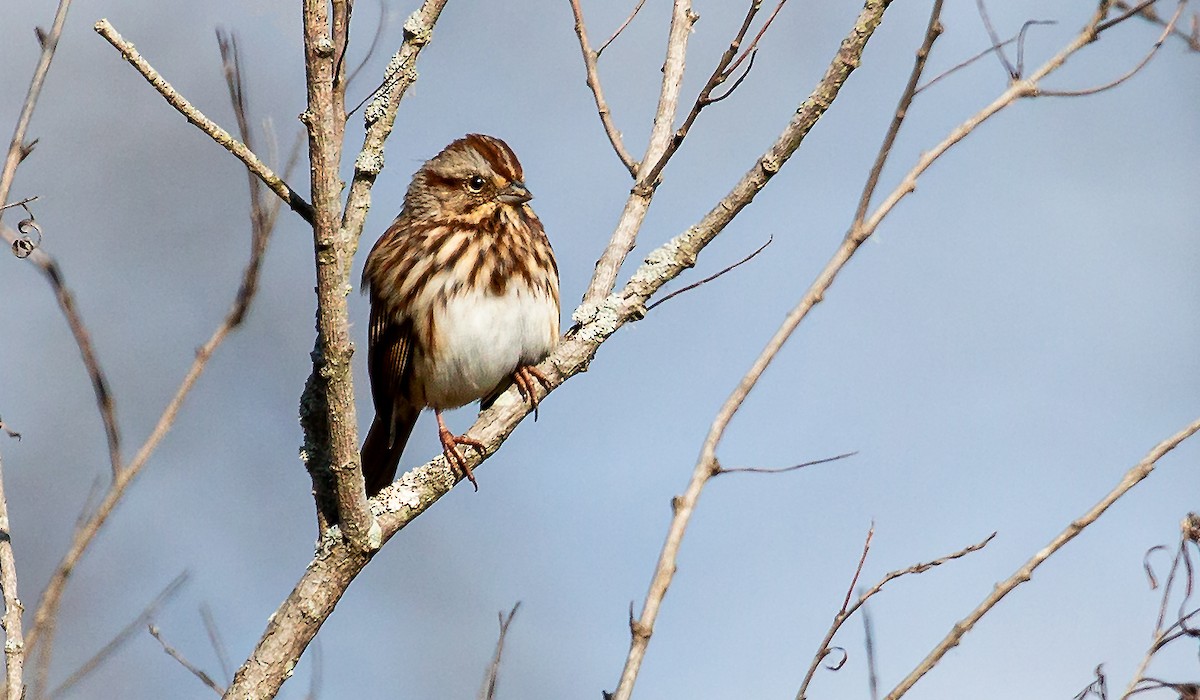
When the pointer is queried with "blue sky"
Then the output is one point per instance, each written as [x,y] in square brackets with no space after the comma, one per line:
[1020,332]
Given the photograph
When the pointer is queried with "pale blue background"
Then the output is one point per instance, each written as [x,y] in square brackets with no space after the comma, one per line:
[1021,331]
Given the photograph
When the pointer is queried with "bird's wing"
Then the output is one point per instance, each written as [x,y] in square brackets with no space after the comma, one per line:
[388,357]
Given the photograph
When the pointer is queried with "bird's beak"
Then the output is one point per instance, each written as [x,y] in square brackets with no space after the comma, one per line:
[514,194]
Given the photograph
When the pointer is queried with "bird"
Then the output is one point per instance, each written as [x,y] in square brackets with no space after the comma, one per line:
[463,289]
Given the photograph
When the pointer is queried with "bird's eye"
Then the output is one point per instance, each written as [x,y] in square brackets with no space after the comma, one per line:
[475,183]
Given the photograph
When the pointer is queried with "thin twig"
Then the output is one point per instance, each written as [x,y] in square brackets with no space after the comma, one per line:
[17,148]
[1164,634]
[194,670]
[781,470]
[20,203]
[1147,12]
[637,8]
[624,236]
[824,649]
[933,29]
[847,610]
[1132,71]
[316,676]
[208,126]
[726,67]
[1018,37]
[712,277]
[14,642]
[869,650]
[707,465]
[492,676]
[218,644]
[1013,74]
[384,11]
[593,83]
[144,617]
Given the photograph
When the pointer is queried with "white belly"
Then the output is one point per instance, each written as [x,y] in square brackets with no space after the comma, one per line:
[481,339]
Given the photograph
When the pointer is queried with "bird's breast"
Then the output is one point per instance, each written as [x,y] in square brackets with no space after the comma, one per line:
[478,338]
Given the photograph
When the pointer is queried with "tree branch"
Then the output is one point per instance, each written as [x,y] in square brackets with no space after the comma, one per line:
[590,58]
[604,279]
[208,126]
[324,43]
[14,643]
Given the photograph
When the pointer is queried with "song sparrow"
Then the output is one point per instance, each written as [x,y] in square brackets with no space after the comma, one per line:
[464,300]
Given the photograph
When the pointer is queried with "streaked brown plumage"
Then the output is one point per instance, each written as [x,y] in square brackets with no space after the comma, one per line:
[464,299]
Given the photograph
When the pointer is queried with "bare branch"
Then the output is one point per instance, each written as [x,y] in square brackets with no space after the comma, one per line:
[1181,628]
[148,613]
[384,11]
[208,126]
[726,67]
[14,642]
[329,393]
[781,470]
[490,679]
[1140,471]
[637,8]
[1132,71]
[593,83]
[218,644]
[624,237]
[17,148]
[1013,73]
[712,277]
[1146,10]
[869,648]
[932,31]
[174,654]
[1018,38]
[841,616]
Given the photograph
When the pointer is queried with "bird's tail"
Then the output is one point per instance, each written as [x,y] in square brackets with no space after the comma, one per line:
[382,449]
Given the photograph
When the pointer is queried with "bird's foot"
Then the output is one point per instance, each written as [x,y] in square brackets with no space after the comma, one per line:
[454,456]
[524,378]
